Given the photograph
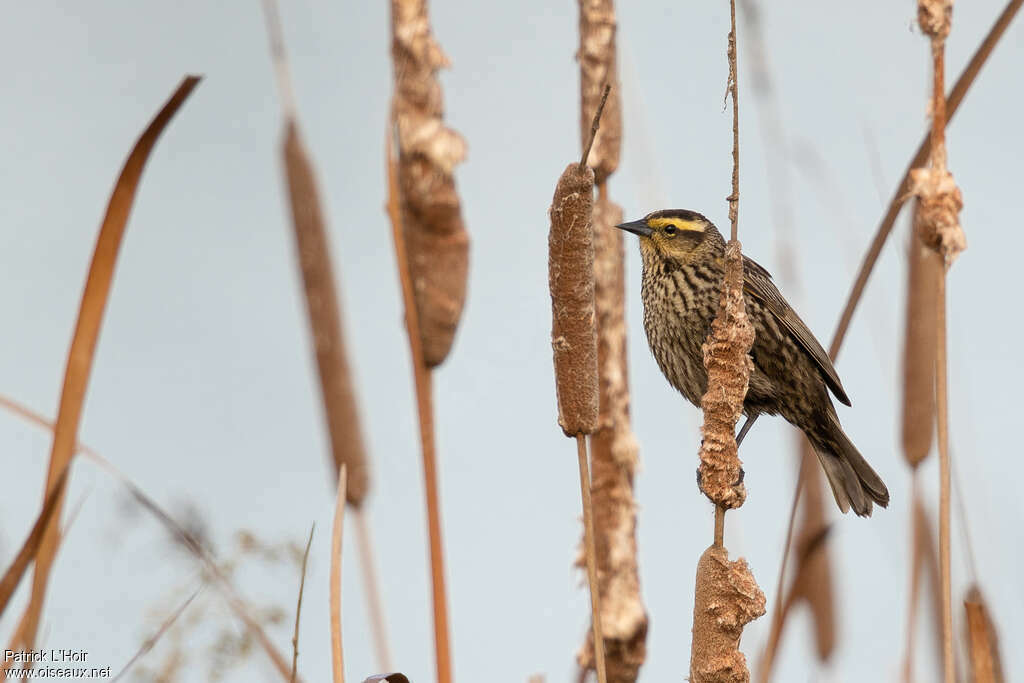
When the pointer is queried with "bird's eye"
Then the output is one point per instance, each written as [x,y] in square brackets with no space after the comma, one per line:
[670,230]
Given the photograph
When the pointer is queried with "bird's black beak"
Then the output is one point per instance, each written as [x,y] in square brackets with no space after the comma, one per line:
[639,227]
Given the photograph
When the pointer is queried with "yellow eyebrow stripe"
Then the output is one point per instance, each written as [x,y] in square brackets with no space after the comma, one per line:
[679,223]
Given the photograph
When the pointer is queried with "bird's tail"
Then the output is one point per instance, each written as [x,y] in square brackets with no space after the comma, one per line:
[853,482]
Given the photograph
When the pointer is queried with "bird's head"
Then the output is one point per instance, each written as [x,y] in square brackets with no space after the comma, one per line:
[676,234]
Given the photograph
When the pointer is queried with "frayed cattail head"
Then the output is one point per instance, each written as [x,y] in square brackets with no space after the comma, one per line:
[571,280]
[728,365]
[437,244]
[727,600]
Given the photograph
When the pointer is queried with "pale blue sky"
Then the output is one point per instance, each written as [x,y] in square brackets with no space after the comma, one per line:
[204,389]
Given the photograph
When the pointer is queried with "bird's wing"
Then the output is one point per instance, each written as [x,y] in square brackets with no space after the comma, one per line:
[757,282]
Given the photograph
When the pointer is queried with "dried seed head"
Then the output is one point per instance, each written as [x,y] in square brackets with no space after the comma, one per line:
[982,640]
[727,599]
[571,281]
[728,367]
[935,17]
[925,268]
[436,240]
[598,68]
[936,218]
[325,318]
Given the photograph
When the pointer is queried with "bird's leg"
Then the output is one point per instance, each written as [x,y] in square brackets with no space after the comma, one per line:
[747,424]
[745,428]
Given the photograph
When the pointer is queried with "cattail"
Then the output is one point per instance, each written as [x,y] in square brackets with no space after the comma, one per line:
[727,599]
[919,352]
[982,640]
[323,308]
[597,57]
[437,245]
[728,367]
[571,281]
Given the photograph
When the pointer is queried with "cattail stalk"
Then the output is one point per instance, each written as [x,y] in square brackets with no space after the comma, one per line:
[337,659]
[937,225]
[613,447]
[431,247]
[727,597]
[422,378]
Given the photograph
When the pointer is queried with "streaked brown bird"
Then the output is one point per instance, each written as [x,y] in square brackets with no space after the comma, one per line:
[684,264]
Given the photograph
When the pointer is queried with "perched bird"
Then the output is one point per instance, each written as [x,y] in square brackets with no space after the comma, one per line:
[683,267]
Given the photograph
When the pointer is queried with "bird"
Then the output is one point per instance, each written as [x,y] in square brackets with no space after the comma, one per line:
[683,257]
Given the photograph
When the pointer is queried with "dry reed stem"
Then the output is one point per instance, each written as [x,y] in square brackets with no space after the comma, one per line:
[27,553]
[437,244]
[598,72]
[936,223]
[728,366]
[919,353]
[982,640]
[732,88]
[425,408]
[83,346]
[323,307]
[325,320]
[298,605]
[571,282]
[590,553]
[727,598]
[151,642]
[337,661]
[368,566]
[614,452]
[237,605]
[956,96]
[942,413]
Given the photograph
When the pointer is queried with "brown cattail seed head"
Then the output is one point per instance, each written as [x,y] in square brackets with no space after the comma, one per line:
[935,17]
[924,270]
[325,318]
[727,599]
[982,640]
[936,219]
[571,280]
[436,240]
[598,68]
[728,367]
